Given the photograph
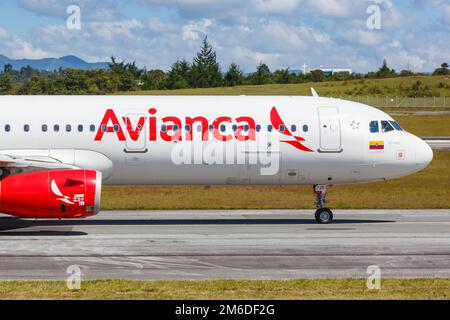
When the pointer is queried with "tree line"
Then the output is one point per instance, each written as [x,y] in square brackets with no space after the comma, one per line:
[203,72]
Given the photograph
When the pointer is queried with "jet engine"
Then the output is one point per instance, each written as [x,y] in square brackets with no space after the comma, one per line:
[51,194]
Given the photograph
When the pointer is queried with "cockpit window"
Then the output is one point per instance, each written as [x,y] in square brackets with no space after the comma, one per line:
[396,125]
[386,126]
[374,127]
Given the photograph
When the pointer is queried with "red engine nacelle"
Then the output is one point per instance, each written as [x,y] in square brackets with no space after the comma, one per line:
[51,194]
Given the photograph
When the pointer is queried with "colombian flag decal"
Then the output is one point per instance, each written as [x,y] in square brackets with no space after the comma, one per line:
[376,145]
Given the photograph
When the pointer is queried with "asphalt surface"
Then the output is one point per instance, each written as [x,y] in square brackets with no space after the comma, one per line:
[228,245]
[438,143]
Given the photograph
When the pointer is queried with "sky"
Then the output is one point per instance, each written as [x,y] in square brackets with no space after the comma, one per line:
[356,34]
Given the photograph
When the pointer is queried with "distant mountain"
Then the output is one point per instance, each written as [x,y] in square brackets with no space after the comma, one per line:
[51,64]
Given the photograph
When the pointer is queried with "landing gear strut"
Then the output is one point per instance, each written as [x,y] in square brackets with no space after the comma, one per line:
[323,215]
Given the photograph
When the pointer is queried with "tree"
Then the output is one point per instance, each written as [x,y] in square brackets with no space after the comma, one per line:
[406,73]
[442,71]
[8,68]
[6,83]
[385,72]
[154,79]
[281,76]
[317,76]
[234,76]
[127,74]
[205,71]
[36,85]
[262,75]
[341,76]
[178,77]
[28,72]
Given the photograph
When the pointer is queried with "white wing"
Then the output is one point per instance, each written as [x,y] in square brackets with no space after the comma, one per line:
[22,164]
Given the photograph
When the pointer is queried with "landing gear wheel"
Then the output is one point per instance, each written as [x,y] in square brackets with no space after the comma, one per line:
[324,215]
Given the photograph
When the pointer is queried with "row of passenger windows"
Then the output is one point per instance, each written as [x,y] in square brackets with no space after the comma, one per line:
[164,128]
[56,128]
[386,126]
[234,128]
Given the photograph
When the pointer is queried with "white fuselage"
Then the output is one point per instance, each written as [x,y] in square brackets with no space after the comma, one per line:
[137,140]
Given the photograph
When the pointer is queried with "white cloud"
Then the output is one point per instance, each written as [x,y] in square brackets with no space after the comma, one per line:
[282,33]
[17,48]
[275,6]
[104,10]
[195,30]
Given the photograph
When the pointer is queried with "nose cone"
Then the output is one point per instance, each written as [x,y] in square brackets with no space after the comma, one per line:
[424,154]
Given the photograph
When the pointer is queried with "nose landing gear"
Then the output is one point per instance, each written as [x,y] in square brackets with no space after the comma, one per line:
[323,215]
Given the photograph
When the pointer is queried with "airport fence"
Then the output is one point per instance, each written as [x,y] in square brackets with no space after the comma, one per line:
[401,102]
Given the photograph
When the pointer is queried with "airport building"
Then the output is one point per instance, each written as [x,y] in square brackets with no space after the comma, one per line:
[332,71]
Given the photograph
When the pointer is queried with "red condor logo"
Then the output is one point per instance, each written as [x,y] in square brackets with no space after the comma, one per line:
[277,122]
[245,128]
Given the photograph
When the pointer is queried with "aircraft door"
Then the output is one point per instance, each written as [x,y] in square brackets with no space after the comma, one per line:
[135,133]
[330,129]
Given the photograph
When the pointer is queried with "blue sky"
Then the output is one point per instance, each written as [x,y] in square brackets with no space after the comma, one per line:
[281,33]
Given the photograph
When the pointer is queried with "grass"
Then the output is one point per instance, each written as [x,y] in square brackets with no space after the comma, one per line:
[392,87]
[229,289]
[426,189]
[425,125]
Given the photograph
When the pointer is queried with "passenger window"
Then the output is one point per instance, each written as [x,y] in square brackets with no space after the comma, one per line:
[199,128]
[7,128]
[26,128]
[104,128]
[187,128]
[222,128]
[281,128]
[293,128]
[44,128]
[396,125]
[116,128]
[175,128]
[386,126]
[92,128]
[80,128]
[235,128]
[56,128]
[269,128]
[163,128]
[374,127]
[68,128]
[211,128]
[305,128]
[246,127]
[258,128]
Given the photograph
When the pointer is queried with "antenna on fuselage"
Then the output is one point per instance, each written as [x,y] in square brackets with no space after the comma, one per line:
[314,93]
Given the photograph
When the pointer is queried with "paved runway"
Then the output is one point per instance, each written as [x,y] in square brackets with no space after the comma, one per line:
[228,244]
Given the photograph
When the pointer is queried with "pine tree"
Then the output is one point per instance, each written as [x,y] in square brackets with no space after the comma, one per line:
[178,77]
[262,75]
[385,71]
[205,71]
[234,76]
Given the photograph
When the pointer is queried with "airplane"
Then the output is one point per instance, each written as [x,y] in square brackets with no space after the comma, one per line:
[56,152]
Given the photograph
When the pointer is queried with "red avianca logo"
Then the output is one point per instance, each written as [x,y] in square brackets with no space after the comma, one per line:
[245,128]
[277,122]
